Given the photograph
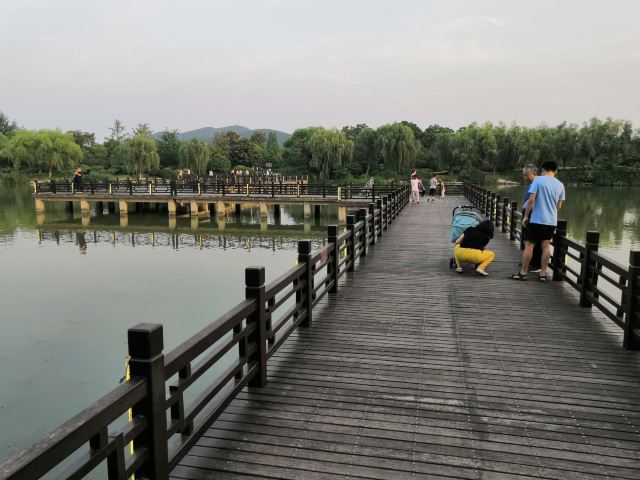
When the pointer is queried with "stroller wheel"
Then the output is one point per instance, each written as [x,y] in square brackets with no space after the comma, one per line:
[452,262]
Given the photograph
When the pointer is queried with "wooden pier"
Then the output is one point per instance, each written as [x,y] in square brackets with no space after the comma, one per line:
[402,368]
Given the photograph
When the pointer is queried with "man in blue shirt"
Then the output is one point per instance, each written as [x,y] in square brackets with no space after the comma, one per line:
[541,217]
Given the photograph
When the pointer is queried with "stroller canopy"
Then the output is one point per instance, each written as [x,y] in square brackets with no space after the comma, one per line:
[463,220]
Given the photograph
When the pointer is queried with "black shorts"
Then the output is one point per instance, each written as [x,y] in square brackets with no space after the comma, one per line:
[537,232]
[432,192]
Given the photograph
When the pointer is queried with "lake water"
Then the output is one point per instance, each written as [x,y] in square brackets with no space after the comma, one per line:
[69,292]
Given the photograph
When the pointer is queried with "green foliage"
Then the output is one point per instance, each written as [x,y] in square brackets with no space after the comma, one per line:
[46,150]
[218,160]
[83,139]
[142,155]
[397,147]
[169,148]
[194,154]
[7,127]
[168,173]
[330,149]
[272,151]
[118,131]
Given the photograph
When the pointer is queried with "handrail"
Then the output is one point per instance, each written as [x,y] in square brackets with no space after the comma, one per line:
[251,327]
[585,264]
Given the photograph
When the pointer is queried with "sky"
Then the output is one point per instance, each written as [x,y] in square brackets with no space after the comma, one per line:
[287,64]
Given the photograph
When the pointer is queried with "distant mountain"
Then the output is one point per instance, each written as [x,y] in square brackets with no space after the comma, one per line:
[207,133]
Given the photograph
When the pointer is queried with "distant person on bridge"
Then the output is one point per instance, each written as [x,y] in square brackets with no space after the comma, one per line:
[77,180]
[433,184]
[541,218]
[470,247]
[415,190]
[442,189]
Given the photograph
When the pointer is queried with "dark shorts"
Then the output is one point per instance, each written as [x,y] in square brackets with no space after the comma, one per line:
[432,192]
[537,232]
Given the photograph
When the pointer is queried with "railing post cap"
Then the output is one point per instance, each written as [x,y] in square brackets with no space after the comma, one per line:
[561,223]
[145,340]
[593,236]
[304,247]
[351,219]
[634,258]
[332,230]
[254,276]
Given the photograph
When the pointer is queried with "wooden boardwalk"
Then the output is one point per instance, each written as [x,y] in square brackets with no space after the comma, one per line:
[413,371]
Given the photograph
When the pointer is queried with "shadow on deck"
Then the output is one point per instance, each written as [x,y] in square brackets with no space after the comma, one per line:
[411,370]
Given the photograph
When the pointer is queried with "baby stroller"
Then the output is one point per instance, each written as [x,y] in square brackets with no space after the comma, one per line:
[464,216]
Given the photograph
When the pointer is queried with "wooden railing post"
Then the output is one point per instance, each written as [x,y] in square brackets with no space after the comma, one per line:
[334,262]
[53,186]
[487,204]
[385,212]
[254,289]
[503,216]
[512,220]
[498,201]
[632,306]
[372,212]
[559,250]
[361,216]
[146,342]
[130,186]
[306,292]
[492,203]
[379,208]
[588,274]
[351,243]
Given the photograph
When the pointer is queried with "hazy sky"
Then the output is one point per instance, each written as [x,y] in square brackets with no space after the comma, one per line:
[284,64]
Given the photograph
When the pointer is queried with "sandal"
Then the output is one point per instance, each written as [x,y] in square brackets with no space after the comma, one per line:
[480,271]
[518,276]
[542,279]
[459,270]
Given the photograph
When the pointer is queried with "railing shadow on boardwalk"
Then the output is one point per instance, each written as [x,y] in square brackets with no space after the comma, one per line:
[129,429]
[254,332]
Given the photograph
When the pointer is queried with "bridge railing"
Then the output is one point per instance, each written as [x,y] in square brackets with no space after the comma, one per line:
[171,399]
[611,287]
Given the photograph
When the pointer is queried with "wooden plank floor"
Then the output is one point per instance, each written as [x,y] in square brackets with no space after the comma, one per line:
[413,371]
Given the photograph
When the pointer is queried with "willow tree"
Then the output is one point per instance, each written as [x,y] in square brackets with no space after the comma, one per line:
[142,155]
[195,154]
[397,145]
[46,150]
[330,149]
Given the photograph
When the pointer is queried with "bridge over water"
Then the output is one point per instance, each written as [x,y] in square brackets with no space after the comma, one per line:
[404,370]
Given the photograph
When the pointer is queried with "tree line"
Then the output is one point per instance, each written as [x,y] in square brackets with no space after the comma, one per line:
[599,151]
[134,152]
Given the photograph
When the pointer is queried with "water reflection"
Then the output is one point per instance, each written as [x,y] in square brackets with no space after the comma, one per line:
[175,240]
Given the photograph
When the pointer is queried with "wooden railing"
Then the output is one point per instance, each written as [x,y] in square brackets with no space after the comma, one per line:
[580,265]
[207,186]
[171,399]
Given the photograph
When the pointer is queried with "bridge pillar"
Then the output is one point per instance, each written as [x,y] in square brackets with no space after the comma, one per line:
[172,222]
[84,207]
[342,215]
[222,223]
[307,210]
[39,206]
[124,220]
[193,208]
[264,225]
[123,207]
[264,210]
[220,209]
[171,207]
[86,219]
[195,222]
[40,218]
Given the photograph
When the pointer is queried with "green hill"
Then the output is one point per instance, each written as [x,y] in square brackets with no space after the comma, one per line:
[207,133]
